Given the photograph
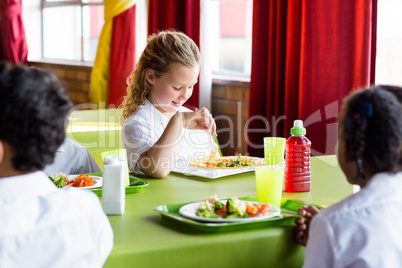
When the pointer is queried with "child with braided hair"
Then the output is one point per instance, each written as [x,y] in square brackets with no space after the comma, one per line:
[360,231]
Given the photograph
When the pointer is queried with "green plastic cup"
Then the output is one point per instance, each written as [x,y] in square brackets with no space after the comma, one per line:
[122,156]
[274,150]
[269,181]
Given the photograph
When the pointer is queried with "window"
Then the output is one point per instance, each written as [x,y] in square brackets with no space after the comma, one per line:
[233,37]
[71,29]
[389,38]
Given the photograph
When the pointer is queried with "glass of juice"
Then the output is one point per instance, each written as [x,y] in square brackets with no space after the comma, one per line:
[269,180]
[274,150]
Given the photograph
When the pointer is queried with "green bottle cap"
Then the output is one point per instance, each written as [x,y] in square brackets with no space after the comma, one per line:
[298,128]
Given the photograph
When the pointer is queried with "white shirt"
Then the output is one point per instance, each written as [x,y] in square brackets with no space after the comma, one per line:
[72,158]
[361,231]
[143,129]
[44,226]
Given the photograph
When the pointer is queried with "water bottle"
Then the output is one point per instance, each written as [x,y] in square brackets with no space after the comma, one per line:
[297,154]
[113,188]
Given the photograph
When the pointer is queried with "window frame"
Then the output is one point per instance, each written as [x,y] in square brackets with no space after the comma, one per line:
[60,3]
[229,74]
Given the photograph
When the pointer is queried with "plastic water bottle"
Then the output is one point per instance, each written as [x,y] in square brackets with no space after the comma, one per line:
[113,188]
[298,150]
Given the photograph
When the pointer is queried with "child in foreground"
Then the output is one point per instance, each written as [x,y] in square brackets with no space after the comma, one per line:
[363,229]
[41,225]
[157,128]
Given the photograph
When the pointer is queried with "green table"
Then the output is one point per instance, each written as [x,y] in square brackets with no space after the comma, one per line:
[142,238]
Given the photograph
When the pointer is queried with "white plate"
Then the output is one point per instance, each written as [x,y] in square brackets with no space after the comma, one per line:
[182,166]
[97,180]
[200,162]
[189,210]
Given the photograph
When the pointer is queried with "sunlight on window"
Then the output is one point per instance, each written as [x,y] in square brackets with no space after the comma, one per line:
[234,41]
[389,39]
[76,35]
[93,23]
[62,40]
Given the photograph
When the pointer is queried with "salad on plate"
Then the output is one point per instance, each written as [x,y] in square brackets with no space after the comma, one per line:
[214,210]
[212,207]
[226,162]
[63,181]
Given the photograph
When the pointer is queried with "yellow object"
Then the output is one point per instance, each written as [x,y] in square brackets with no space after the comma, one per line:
[274,150]
[100,72]
[269,180]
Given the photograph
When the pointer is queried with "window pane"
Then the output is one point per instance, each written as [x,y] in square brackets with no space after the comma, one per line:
[62,37]
[389,38]
[93,23]
[235,26]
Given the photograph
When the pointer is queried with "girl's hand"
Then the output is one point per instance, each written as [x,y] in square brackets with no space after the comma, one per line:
[200,119]
[302,225]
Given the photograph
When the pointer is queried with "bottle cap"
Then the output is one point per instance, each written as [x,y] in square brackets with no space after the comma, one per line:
[298,128]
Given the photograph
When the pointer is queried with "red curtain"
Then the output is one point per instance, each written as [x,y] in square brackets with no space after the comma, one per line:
[122,55]
[181,15]
[13,45]
[306,57]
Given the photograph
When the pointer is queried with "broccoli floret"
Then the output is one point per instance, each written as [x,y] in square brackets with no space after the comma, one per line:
[237,163]
[230,164]
[59,183]
[59,179]
[218,205]
[221,164]
[234,211]
[206,213]
[231,206]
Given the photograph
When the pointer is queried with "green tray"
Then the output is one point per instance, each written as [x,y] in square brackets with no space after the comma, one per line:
[288,214]
[129,189]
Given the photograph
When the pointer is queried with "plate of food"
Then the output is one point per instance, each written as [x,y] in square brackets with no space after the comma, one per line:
[82,181]
[226,162]
[208,167]
[215,210]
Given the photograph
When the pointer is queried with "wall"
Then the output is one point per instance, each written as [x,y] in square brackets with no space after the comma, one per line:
[230,101]
[75,79]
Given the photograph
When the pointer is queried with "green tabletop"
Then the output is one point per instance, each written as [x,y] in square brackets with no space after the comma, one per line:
[142,238]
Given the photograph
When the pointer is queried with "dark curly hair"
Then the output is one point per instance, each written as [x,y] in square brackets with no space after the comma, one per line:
[372,120]
[33,109]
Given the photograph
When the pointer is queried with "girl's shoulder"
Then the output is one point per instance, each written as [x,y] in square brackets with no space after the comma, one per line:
[142,111]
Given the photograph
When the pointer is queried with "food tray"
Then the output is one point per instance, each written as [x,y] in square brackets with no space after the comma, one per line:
[129,189]
[286,218]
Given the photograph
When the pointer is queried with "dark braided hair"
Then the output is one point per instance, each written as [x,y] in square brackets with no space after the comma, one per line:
[373,120]
[33,108]
[358,143]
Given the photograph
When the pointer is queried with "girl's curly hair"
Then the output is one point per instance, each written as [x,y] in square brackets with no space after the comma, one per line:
[163,49]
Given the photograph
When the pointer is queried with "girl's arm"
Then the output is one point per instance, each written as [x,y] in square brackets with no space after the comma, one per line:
[158,161]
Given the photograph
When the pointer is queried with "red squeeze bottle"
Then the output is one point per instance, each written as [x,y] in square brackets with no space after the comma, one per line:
[298,150]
